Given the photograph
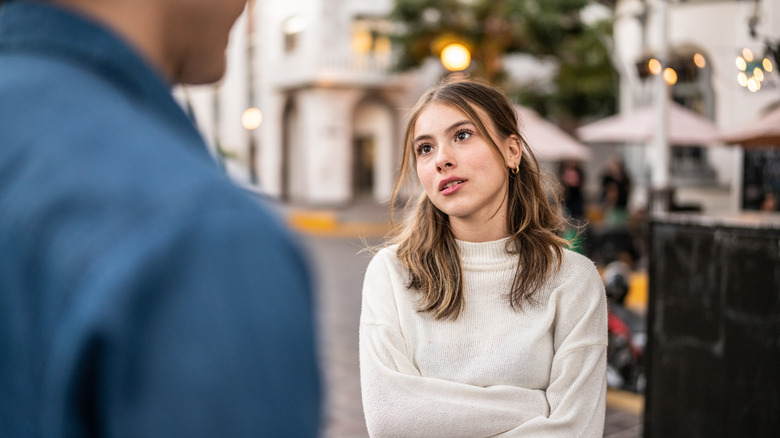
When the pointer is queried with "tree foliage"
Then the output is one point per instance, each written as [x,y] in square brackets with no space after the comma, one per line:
[584,82]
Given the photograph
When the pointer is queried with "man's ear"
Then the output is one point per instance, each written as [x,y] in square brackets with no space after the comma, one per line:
[513,151]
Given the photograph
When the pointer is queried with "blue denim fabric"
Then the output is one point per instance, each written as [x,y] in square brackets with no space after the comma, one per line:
[141,293]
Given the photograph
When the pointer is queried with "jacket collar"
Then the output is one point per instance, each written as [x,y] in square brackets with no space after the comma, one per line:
[41,28]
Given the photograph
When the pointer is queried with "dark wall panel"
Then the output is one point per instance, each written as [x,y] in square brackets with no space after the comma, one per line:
[713,353]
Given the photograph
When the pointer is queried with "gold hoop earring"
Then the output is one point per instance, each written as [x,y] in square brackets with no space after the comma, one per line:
[516,170]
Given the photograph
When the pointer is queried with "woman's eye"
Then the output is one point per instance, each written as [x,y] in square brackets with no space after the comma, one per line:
[424,149]
[463,135]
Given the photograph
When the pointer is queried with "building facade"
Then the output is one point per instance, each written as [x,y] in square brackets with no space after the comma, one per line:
[333,112]
[319,70]
[701,39]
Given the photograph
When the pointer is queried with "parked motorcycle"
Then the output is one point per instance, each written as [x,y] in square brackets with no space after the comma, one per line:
[626,333]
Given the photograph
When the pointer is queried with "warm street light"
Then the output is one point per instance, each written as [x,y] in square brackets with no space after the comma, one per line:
[699,60]
[654,66]
[670,76]
[455,57]
[251,118]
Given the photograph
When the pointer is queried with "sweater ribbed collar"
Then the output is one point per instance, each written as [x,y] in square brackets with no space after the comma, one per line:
[491,254]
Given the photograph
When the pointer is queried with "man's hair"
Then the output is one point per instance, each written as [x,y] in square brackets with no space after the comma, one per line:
[426,245]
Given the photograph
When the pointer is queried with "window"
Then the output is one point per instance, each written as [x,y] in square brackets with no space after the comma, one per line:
[370,36]
[291,29]
[694,91]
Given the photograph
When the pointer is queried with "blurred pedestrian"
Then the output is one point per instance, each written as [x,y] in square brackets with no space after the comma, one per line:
[615,190]
[142,293]
[769,203]
[572,178]
[476,321]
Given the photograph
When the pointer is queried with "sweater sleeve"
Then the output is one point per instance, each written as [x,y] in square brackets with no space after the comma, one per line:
[577,390]
[399,401]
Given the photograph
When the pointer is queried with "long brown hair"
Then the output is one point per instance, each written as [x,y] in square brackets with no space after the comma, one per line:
[426,245]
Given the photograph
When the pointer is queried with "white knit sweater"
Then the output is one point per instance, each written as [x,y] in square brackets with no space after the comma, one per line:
[539,372]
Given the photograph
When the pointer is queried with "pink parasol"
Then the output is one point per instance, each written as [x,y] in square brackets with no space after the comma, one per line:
[685,127]
[548,141]
[763,132]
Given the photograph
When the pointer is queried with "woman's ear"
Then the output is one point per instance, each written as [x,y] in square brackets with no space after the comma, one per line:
[513,151]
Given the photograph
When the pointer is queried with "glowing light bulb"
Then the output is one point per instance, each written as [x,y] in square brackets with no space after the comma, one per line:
[767,65]
[670,76]
[699,60]
[742,79]
[741,63]
[252,118]
[654,66]
[455,57]
[747,54]
[753,85]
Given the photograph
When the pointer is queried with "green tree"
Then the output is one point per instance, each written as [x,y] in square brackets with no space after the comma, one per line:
[584,83]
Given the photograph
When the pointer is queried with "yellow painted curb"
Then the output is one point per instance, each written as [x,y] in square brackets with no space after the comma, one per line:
[326,223]
[352,229]
[316,221]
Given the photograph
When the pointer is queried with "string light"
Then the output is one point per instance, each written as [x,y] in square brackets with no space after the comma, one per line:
[767,64]
[752,71]
[747,54]
[741,63]
[742,79]
[753,84]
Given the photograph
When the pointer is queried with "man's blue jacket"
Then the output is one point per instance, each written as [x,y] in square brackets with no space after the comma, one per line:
[141,293]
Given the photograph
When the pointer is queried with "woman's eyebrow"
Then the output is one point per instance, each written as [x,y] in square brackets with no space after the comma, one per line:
[453,127]
[457,125]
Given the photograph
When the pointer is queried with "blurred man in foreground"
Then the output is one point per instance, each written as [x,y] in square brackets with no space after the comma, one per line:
[141,293]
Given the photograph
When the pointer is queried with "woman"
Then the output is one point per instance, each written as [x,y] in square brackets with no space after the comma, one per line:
[476,321]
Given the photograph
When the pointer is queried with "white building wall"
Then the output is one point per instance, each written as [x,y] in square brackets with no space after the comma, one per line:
[326,81]
[232,101]
[327,139]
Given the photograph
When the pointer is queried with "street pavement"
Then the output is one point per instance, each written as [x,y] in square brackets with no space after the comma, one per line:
[336,242]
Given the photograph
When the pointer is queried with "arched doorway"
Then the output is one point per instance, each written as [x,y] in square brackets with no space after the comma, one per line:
[373,157]
[363,161]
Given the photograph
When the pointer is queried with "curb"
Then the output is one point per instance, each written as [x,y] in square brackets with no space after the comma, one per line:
[326,223]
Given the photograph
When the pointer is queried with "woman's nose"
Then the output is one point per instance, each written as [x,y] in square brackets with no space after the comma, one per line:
[444,159]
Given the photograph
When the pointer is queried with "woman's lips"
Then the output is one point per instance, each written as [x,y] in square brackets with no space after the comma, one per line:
[449,187]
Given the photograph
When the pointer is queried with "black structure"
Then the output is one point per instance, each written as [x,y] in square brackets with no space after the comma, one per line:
[713,353]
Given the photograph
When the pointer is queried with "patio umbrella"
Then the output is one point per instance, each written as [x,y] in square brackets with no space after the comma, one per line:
[548,141]
[763,132]
[685,127]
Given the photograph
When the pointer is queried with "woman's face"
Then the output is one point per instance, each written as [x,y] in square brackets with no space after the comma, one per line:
[459,169]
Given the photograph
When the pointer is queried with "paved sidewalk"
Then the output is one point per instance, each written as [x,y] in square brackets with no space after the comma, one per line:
[335,239]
